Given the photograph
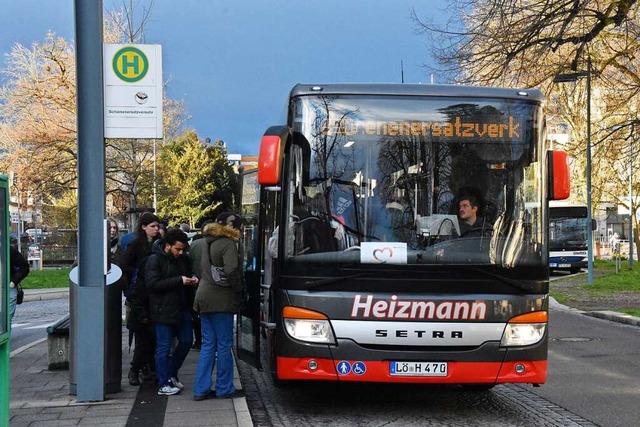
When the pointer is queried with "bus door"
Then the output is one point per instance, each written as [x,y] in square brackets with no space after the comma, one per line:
[259,237]
[247,332]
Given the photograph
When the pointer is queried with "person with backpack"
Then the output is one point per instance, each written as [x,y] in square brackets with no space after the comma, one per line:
[218,298]
[138,322]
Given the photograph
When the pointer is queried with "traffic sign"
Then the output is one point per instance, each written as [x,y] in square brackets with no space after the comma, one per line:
[130,64]
[133,91]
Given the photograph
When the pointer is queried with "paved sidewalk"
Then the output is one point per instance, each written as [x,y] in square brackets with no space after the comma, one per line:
[40,397]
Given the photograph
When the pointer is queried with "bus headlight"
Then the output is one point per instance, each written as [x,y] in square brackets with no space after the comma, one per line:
[522,334]
[307,325]
[525,329]
[316,331]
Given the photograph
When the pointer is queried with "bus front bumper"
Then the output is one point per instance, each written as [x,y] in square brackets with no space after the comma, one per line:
[379,371]
[489,364]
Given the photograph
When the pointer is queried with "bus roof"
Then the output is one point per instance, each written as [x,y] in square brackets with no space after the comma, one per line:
[302,89]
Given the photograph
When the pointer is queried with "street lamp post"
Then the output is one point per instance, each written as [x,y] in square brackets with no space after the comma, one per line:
[572,77]
[631,211]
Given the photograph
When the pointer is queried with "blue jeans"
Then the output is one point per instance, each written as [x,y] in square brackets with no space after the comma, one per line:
[217,339]
[13,297]
[167,367]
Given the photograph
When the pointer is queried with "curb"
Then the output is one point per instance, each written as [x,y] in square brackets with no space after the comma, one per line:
[26,347]
[614,316]
[41,296]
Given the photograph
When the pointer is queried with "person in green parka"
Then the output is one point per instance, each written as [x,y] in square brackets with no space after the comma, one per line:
[216,262]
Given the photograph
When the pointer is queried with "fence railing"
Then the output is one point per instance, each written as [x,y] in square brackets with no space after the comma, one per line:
[55,254]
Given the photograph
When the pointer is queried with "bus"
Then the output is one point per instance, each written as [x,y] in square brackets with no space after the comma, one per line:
[567,236]
[358,270]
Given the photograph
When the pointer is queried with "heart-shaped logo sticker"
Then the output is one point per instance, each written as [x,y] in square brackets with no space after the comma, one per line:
[383,254]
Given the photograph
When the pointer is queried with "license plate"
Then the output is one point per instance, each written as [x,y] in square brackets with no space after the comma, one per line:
[564,265]
[553,264]
[418,369]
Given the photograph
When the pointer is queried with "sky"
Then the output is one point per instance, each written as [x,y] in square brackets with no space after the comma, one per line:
[233,63]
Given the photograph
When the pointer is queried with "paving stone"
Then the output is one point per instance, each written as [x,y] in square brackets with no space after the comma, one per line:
[34,417]
[102,421]
[201,418]
[56,423]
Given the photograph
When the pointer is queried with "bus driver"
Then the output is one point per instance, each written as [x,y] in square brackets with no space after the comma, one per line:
[472,225]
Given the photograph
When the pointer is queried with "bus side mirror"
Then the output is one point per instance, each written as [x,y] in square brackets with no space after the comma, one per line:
[594,224]
[271,153]
[558,175]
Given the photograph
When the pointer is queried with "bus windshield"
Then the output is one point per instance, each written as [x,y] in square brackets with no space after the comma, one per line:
[568,228]
[415,180]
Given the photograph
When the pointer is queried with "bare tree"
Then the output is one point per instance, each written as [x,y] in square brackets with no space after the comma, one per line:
[525,43]
[37,112]
[124,27]
[38,120]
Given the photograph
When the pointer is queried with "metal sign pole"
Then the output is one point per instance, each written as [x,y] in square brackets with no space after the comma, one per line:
[88,318]
[589,212]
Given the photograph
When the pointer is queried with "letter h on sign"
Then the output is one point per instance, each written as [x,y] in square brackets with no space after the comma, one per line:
[126,64]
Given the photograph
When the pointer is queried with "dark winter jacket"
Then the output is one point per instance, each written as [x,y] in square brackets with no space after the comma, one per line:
[136,251]
[481,228]
[168,296]
[19,266]
[221,247]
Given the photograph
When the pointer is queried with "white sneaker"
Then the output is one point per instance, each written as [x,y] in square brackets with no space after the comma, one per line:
[176,383]
[168,390]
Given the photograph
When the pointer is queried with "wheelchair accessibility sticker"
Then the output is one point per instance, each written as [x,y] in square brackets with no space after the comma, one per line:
[359,368]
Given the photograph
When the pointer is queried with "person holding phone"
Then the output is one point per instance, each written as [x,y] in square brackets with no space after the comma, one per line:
[170,283]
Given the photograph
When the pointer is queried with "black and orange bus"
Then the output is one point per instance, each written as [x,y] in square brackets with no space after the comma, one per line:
[357,265]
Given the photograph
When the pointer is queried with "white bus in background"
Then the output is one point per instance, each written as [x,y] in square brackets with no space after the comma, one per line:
[567,236]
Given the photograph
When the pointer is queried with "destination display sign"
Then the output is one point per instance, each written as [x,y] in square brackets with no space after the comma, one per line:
[508,128]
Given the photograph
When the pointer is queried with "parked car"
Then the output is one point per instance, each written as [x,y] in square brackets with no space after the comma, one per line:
[34,231]
[37,233]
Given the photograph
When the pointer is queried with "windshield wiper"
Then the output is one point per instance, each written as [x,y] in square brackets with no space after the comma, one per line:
[315,284]
[507,280]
